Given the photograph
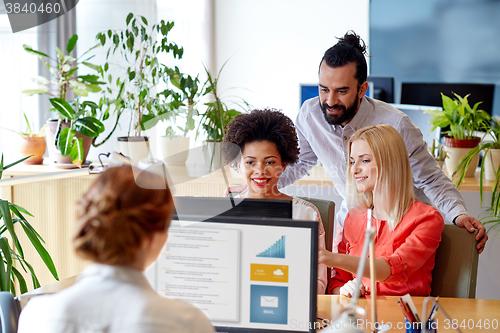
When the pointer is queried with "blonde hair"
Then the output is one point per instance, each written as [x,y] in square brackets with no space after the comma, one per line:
[394,178]
[119,212]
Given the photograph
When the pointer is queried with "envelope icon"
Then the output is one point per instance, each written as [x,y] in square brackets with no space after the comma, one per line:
[269,301]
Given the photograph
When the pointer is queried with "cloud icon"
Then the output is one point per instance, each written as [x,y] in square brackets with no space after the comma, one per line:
[278,272]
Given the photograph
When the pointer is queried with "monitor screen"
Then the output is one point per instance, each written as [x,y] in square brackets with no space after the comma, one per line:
[246,275]
[208,206]
[421,119]
[383,88]
[430,93]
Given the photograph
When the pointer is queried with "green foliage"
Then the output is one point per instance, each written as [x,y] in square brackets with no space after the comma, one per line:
[486,145]
[460,117]
[437,151]
[65,140]
[138,47]
[218,113]
[8,273]
[63,70]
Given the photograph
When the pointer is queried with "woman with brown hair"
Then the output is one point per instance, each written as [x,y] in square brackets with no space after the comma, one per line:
[123,223]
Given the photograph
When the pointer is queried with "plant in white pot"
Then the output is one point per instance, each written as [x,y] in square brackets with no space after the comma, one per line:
[464,121]
[214,120]
[179,115]
[66,143]
[132,72]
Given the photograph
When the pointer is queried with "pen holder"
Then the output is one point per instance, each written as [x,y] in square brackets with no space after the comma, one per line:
[417,327]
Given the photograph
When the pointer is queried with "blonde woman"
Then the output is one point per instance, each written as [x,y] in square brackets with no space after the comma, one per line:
[123,223]
[408,231]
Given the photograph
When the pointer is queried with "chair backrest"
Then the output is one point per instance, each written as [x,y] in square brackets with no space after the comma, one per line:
[326,209]
[10,310]
[455,272]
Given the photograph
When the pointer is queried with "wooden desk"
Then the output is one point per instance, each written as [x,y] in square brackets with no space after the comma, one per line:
[468,312]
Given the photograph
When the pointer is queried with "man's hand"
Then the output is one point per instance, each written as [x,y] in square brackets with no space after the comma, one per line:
[471,224]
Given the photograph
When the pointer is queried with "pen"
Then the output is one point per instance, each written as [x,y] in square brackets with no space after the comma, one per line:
[406,311]
[432,314]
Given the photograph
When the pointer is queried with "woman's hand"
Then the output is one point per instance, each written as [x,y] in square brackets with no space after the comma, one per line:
[348,288]
[325,257]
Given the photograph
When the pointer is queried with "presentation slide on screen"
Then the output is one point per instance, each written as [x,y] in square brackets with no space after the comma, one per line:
[239,275]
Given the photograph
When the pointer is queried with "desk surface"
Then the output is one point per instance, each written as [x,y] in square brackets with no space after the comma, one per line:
[470,314]
[186,173]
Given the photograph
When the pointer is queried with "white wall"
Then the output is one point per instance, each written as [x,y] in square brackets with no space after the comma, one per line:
[275,45]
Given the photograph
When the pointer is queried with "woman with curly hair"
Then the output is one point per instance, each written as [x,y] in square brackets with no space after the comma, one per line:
[268,143]
[123,222]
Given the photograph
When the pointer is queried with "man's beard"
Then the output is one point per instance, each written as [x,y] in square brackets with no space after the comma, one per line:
[346,114]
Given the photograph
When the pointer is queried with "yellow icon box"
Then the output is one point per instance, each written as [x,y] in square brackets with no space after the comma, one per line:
[269,273]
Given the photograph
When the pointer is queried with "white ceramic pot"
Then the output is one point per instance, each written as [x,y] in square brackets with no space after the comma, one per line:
[134,147]
[455,155]
[212,155]
[174,151]
[491,164]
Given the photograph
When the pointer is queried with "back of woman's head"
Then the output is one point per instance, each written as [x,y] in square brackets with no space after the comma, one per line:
[116,215]
[394,178]
[263,125]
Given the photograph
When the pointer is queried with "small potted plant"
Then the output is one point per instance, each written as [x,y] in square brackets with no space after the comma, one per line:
[438,152]
[463,121]
[32,144]
[214,120]
[73,115]
[134,52]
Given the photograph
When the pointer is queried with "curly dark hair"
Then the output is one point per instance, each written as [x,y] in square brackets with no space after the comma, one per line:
[263,125]
[349,49]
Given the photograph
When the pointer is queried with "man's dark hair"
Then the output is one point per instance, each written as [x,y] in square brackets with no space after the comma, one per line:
[349,49]
[263,125]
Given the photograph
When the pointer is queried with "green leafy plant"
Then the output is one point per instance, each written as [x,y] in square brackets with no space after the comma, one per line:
[182,105]
[460,117]
[9,274]
[491,140]
[218,113]
[65,139]
[29,132]
[437,151]
[63,70]
[138,47]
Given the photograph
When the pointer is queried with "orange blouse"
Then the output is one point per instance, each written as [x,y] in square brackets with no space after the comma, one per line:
[410,249]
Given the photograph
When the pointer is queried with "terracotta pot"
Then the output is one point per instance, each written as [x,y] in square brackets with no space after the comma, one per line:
[54,154]
[461,143]
[134,147]
[35,146]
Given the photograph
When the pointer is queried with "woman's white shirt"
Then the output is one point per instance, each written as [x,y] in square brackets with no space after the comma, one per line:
[110,299]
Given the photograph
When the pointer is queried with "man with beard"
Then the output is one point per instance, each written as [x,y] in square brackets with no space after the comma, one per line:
[325,124]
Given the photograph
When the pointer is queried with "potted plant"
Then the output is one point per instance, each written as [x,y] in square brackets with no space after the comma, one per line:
[490,166]
[8,272]
[215,119]
[65,79]
[463,122]
[32,144]
[437,151]
[179,115]
[134,53]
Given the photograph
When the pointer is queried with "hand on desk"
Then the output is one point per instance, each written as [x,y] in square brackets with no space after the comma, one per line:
[348,288]
[471,224]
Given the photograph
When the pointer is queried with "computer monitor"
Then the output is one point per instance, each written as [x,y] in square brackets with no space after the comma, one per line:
[245,274]
[383,88]
[430,93]
[421,119]
[208,206]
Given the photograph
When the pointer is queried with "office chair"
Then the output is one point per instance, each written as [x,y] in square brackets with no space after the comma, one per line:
[326,209]
[455,273]
[10,310]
